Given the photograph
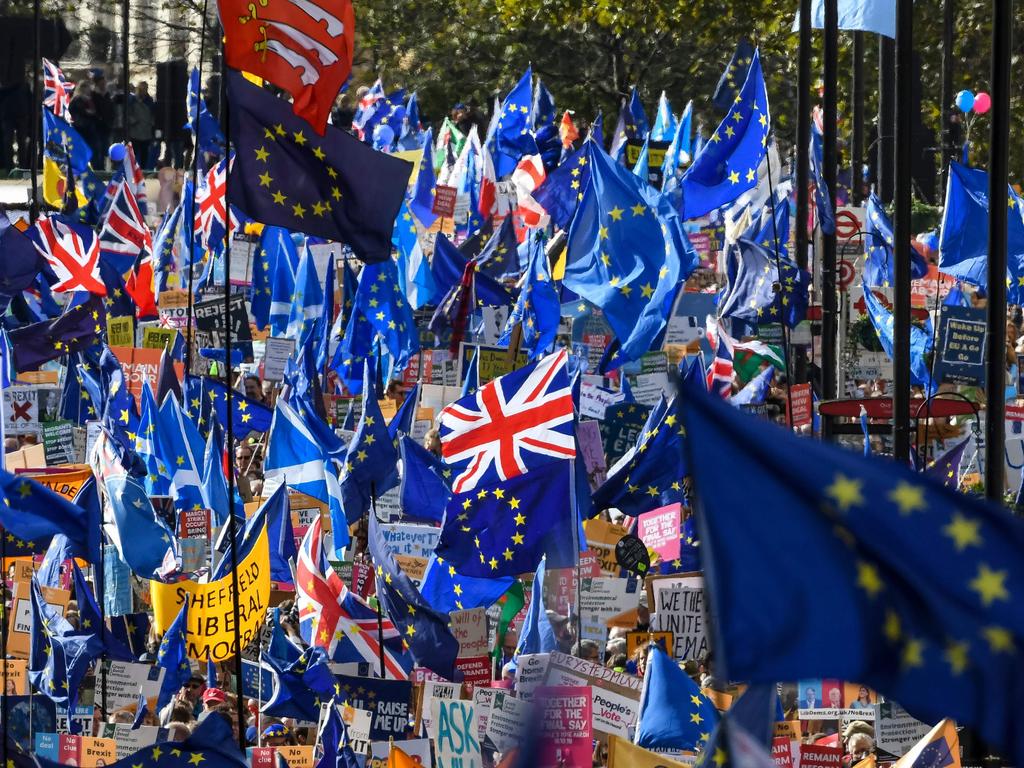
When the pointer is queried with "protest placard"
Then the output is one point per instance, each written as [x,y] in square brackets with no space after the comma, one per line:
[659,530]
[782,753]
[620,429]
[483,699]
[275,354]
[297,755]
[588,437]
[896,730]
[820,756]
[455,734]
[130,740]
[961,353]
[121,331]
[209,317]
[507,721]
[602,537]
[124,681]
[615,696]
[140,365]
[566,727]
[173,306]
[154,337]
[470,629]
[59,442]
[357,721]
[801,405]
[492,361]
[677,606]
[637,639]
[531,670]
[66,481]
[387,700]
[21,410]
[410,539]
[444,201]
[595,400]
[19,633]
[476,670]
[604,597]
[435,690]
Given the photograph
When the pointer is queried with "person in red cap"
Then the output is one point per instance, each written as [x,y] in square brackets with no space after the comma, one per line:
[212,697]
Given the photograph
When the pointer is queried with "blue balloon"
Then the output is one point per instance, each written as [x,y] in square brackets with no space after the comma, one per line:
[117,152]
[965,101]
[931,241]
[383,137]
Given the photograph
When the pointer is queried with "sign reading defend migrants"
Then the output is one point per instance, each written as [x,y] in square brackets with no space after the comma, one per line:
[211,622]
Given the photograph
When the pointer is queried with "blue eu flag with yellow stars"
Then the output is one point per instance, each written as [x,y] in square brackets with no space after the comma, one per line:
[765,289]
[514,130]
[247,415]
[920,340]
[381,301]
[626,252]
[504,528]
[334,187]
[879,265]
[64,142]
[674,712]
[537,309]
[734,76]
[561,192]
[929,579]
[446,589]
[727,166]
[653,475]
[58,657]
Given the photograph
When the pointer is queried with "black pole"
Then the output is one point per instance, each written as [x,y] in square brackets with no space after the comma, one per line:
[857,139]
[124,70]
[946,113]
[901,230]
[829,301]
[886,80]
[37,103]
[998,170]
[803,133]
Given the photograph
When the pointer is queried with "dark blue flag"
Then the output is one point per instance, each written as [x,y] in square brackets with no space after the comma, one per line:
[424,630]
[927,575]
[674,712]
[334,187]
[879,266]
[448,266]
[31,512]
[211,139]
[500,255]
[75,330]
[513,130]
[299,687]
[445,589]
[537,309]
[765,289]
[422,202]
[247,414]
[734,76]
[58,657]
[423,490]
[727,166]
[172,656]
[822,198]
[90,622]
[920,340]
[20,262]
[561,192]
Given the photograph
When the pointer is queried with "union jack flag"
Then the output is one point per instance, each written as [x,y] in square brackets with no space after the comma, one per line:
[511,425]
[56,90]
[72,252]
[124,234]
[335,619]
[210,208]
[720,373]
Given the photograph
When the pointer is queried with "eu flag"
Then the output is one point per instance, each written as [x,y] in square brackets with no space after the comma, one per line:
[920,340]
[504,528]
[626,251]
[734,76]
[422,202]
[500,255]
[822,198]
[879,266]
[300,686]
[333,186]
[75,330]
[537,308]
[247,414]
[560,193]
[31,512]
[446,589]
[765,289]
[928,578]
[514,130]
[424,630]
[381,301]
[727,166]
[674,712]
[58,658]
[64,142]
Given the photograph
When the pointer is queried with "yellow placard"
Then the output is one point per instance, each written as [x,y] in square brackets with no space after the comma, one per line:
[211,621]
[158,338]
[120,331]
[68,483]
[297,756]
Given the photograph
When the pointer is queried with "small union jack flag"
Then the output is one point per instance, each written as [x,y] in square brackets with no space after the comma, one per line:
[511,425]
[720,372]
[211,215]
[335,619]
[56,90]
[73,254]
[124,235]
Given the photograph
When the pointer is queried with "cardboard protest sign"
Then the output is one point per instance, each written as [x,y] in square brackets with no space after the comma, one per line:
[21,410]
[588,435]
[615,696]
[455,734]
[602,598]
[659,530]
[483,699]
[19,632]
[677,606]
[531,670]
[636,640]
[129,740]
[211,622]
[275,354]
[492,361]
[66,480]
[120,331]
[140,365]
[566,727]
[17,677]
[782,753]
[896,730]
[154,337]
[602,537]
[125,680]
[507,721]
[470,629]
[210,319]
[820,756]
[173,307]
[476,670]
[622,753]
[410,539]
[435,690]
[387,700]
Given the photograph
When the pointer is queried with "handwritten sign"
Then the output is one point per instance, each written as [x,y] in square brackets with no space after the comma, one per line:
[470,629]
[410,540]
[678,603]
[456,742]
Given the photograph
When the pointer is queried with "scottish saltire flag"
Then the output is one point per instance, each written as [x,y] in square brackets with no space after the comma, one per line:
[727,166]
[425,630]
[537,634]
[876,16]
[664,122]
[307,301]
[414,275]
[510,426]
[211,138]
[280,248]
[920,340]
[651,474]
[537,310]
[822,198]
[963,238]
[124,234]
[879,264]
[626,252]
[56,90]
[765,289]
[295,456]
[180,447]
[928,575]
[72,251]
[335,619]
[679,150]
[674,713]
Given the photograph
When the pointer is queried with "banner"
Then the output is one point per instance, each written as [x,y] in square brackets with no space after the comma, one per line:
[387,700]
[566,727]
[211,622]
[615,696]
[66,481]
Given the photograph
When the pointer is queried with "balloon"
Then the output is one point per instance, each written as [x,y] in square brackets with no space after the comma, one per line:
[931,241]
[982,103]
[116,152]
[383,137]
[965,101]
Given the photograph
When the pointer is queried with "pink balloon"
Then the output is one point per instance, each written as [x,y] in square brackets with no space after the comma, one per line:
[982,102]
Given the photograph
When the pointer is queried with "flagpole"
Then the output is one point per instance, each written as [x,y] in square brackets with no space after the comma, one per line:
[380,616]
[946,103]
[886,76]
[124,70]
[829,301]
[901,232]
[229,430]
[857,139]
[37,101]
[999,160]
[803,141]
[190,225]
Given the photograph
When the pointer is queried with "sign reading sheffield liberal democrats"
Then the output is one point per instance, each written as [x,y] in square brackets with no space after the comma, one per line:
[211,621]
